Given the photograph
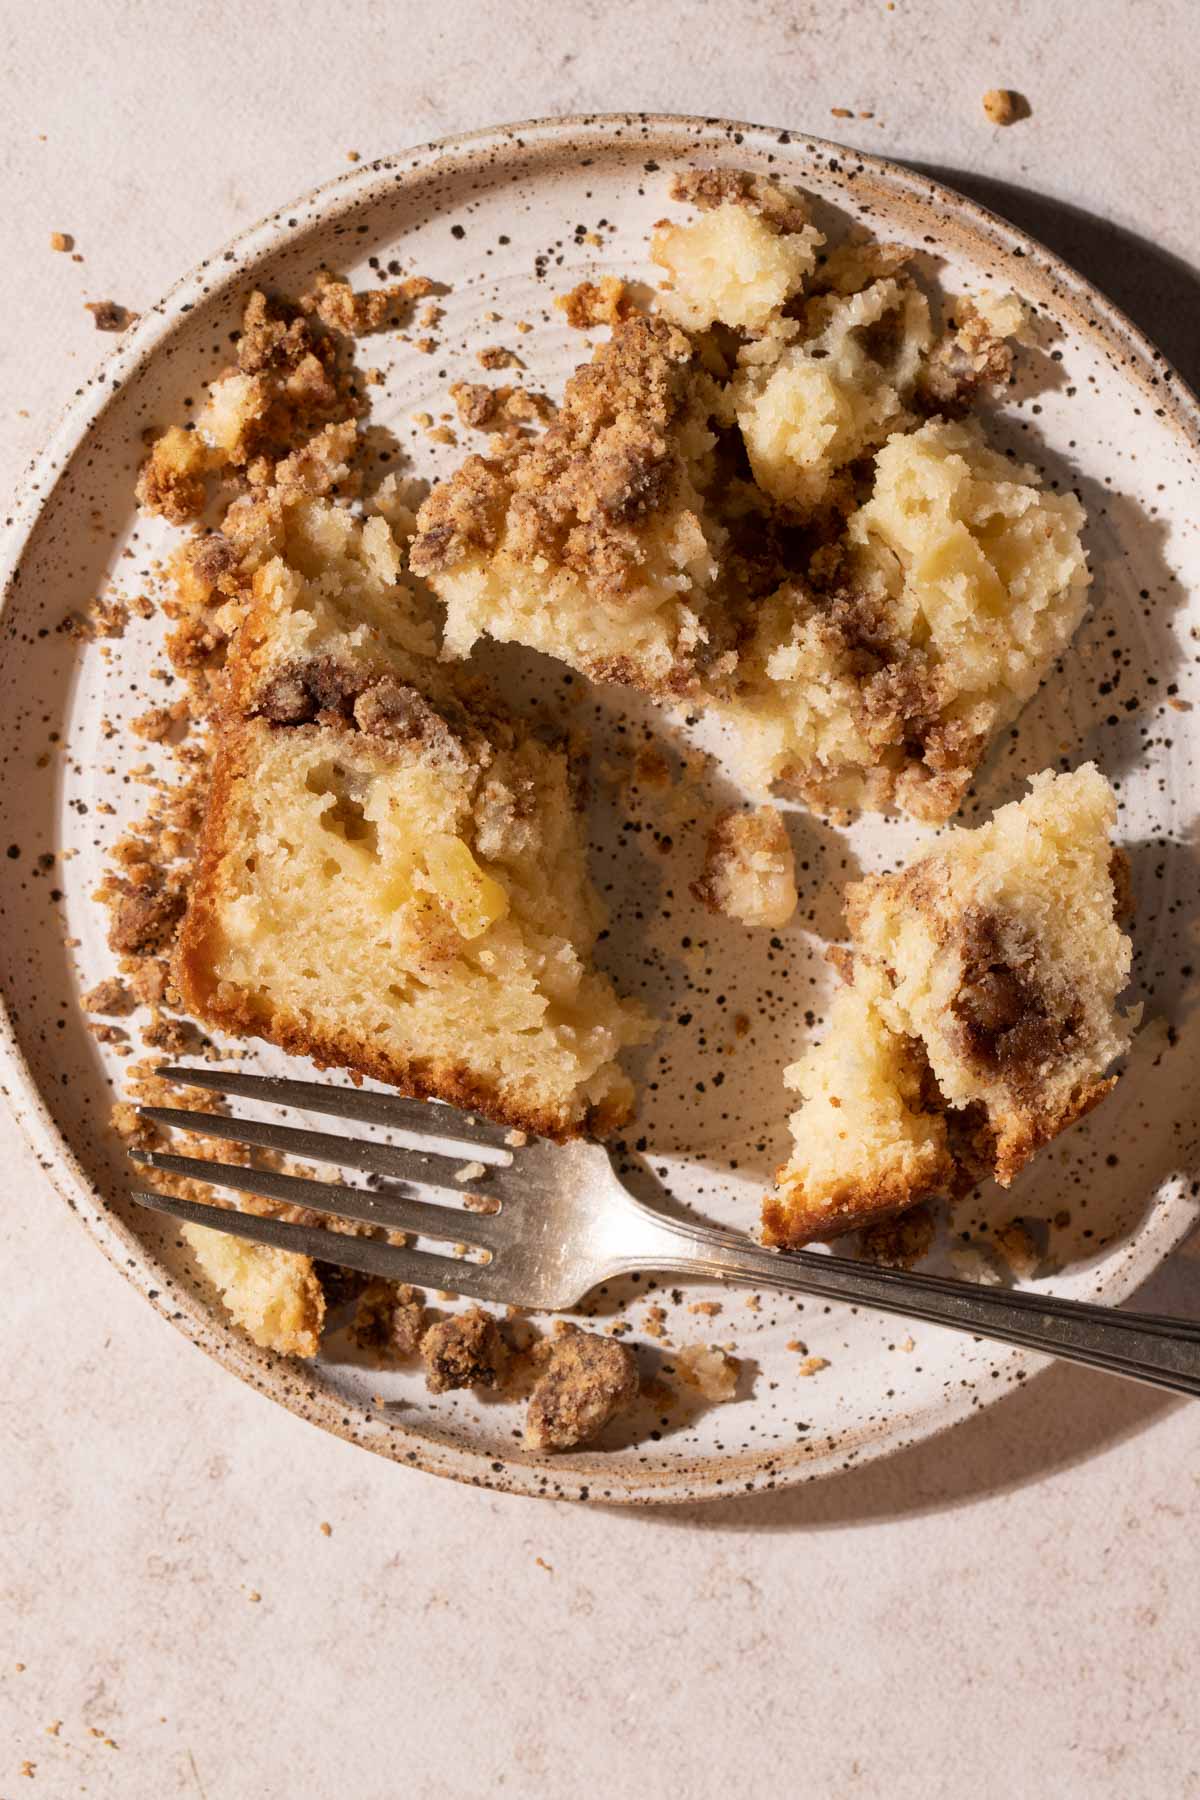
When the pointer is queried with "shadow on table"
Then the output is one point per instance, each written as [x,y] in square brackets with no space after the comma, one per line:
[1158,291]
[1058,1420]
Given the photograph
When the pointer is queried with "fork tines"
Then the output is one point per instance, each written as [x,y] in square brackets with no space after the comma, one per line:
[388,1208]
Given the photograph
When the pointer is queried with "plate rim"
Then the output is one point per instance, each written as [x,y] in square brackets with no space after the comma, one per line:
[201,1323]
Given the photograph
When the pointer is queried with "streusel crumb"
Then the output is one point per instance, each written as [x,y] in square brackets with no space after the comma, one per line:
[389,1319]
[592,303]
[585,1382]
[465,1350]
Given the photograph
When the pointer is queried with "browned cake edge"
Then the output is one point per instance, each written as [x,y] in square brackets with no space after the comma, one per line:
[788,1223]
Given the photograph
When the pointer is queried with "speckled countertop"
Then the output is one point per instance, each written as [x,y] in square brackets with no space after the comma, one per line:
[201,1595]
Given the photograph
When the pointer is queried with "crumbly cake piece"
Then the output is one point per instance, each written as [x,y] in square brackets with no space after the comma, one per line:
[743,260]
[749,868]
[808,408]
[586,1381]
[962,580]
[980,1020]
[746,503]
[216,575]
[327,614]
[273,1295]
[591,542]
[710,1370]
[870,1135]
[289,381]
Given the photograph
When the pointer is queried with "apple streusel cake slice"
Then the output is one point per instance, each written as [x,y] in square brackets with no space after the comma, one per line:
[392,875]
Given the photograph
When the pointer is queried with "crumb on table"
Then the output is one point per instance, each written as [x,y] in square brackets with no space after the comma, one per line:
[109,315]
[1004,106]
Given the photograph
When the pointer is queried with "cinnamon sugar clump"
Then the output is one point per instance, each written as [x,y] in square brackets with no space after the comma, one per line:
[776,204]
[339,307]
[484,408]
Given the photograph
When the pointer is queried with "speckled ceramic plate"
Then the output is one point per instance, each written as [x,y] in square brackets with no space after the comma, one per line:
[507,219]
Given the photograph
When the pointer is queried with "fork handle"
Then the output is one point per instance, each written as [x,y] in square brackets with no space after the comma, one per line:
[1162,1352]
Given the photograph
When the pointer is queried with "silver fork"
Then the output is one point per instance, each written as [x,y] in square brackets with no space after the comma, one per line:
[566,1223]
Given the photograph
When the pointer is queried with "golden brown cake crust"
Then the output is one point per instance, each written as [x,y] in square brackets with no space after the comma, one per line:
[792,1218]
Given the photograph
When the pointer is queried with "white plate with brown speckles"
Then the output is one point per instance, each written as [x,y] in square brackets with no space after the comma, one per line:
[506,219]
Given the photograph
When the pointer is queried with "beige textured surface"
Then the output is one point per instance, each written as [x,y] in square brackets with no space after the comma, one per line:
[1008,1611]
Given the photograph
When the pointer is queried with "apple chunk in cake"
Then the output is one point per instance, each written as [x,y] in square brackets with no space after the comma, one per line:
[980,1017]
[404,894]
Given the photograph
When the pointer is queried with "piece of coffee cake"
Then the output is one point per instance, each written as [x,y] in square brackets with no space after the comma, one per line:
[766,500]
[392,874]
[959,581]
[980,1017]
